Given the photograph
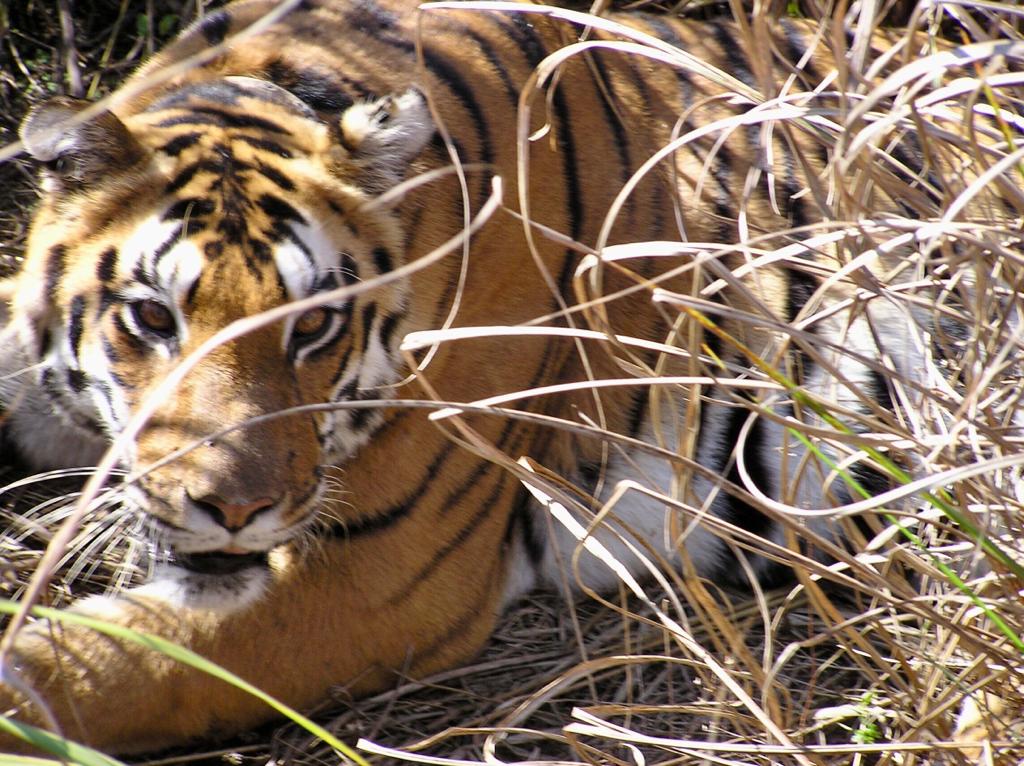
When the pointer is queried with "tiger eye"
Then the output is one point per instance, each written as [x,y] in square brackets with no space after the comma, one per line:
[154,316]
[311,322]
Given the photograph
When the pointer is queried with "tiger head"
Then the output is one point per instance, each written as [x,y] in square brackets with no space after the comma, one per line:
[162,226]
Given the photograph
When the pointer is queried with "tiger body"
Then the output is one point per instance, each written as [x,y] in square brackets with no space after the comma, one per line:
[328,546]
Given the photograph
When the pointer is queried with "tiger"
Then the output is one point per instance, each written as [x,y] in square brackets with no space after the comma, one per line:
[350,292]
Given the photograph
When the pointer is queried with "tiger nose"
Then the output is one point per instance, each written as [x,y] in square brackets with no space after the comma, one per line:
[231,516]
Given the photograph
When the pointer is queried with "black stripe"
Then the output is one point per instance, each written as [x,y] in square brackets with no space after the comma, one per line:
[190,207]
[208,115]
[59,397]
[280,231]
[909,153]
[589,472]
[167,244]
[527,40]
[189,172]
[349,269]
[880,391]
[56,262]
[530,44]
[638,409]
[738,65]
[868,478]
[338,210]
[77,381]
[339,371]
[740,512]
[110,352]
[119,380]
[45,341]
[794,43]
[368,525]
[446,71]
[801,286]
[497,63]
[483,510]
[261,253]
[275,176]
[106,265]
[346,392]
[279,210]
[143,277]
[215,27]
[232,223]
[522,523]
[101,388]
[457,628]
[720,168]
[456,496]
[736,60]
[369,314]
[794,207]
[317,90]
[387,34]
[664,30]
[50,387]
[604,93]
[369,18]
[178,144]
[282,288]
[382,260]
[76,320]
[267,145]
[218,91]
[574,197]
[387,328]
[108,298]
[325,282]
[358,418]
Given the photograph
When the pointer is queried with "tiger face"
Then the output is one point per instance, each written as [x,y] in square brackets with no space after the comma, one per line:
[179,223]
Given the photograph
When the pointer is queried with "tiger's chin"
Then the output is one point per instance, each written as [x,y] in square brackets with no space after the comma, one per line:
[212,580]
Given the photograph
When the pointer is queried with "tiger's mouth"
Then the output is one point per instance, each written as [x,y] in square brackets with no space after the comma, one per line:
[219,562]
[222,580]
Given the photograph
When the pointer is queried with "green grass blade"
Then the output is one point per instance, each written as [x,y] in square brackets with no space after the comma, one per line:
[7,759]
[188,657]
[66,750]
[918,543]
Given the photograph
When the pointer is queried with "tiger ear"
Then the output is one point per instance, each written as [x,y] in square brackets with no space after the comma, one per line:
[383,136]
[77,151]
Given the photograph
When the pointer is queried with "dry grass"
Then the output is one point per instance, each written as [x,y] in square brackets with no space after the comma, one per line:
[883,659]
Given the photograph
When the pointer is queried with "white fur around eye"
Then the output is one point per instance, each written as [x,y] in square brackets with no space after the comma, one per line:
[306,256]
[146,238]
[179,269]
